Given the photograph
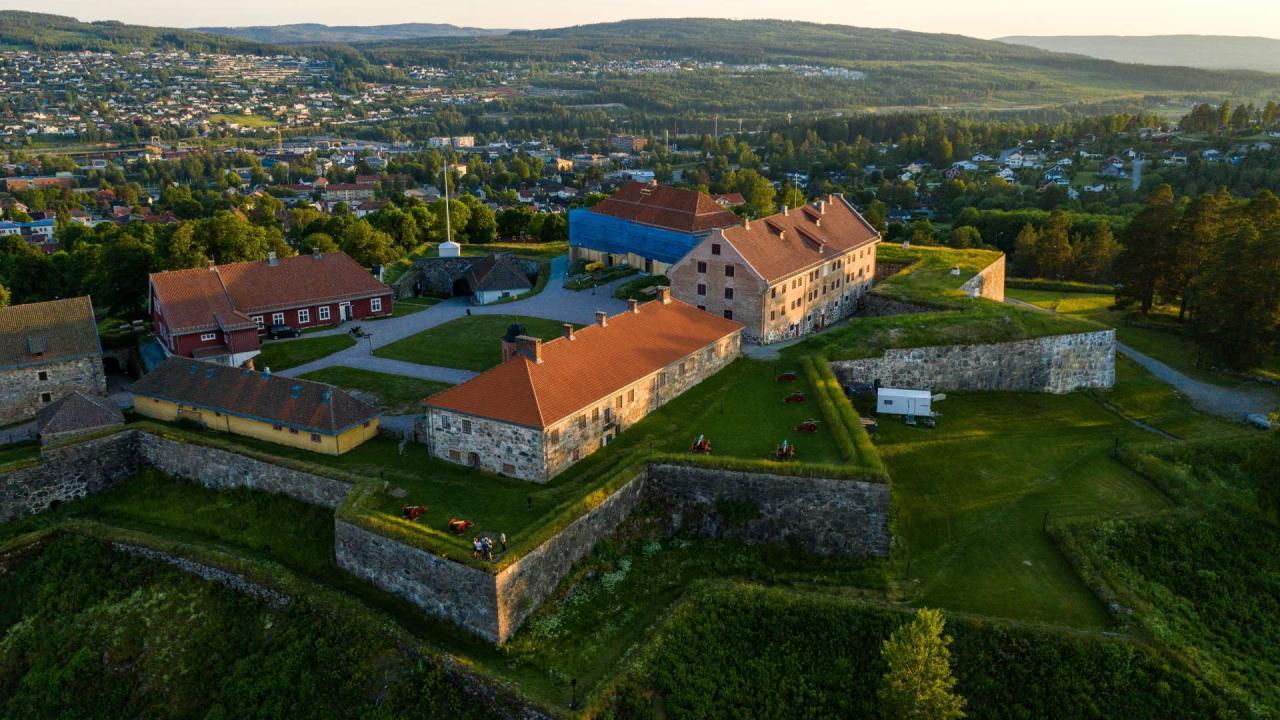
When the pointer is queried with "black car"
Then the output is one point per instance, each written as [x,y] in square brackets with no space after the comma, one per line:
[275,332]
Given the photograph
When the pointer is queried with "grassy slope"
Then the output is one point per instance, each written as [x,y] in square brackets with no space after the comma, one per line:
[395,394]
[470,343]
[284,354]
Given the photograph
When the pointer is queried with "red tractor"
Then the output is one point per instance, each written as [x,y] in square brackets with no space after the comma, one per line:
[786,377]
[795,397]
[701,446]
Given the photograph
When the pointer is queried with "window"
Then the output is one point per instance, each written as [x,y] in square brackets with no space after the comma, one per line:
[508,469]
[445,424]
[582,421]
[293,431]
[702,307]
[888,402]
[466,427]
[42,375]
[702,266]
[324,312]
[277,318]
[375,304]
[715,248]
[304,316]
[773,292]
[554,437]
[575,455]
[773,314]
[631,396]
[261,325]
[455,456]
[595,415]
[46,397]
[728,293]
[702,289]
[208,337]
[618,403]
[728,314]
[728,271]
[315,437]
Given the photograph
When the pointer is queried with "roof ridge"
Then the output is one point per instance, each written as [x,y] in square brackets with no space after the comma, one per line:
[533,389]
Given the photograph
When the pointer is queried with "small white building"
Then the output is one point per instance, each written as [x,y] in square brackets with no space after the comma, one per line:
[900,401]
[449,248]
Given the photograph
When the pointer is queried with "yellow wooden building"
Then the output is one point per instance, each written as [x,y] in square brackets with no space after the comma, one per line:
[299,413]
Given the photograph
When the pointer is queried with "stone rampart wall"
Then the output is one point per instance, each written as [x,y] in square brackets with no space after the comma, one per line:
[68,472]
[825,516]
[988,283]
[1054,364]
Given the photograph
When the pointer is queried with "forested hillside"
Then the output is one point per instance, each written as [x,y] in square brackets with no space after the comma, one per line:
[40,31]
[317,33]
[1200,51]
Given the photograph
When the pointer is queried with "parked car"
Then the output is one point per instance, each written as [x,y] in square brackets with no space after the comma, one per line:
[275,332]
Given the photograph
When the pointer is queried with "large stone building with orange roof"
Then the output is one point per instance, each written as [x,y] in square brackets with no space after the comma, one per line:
[785,275]
[550,404]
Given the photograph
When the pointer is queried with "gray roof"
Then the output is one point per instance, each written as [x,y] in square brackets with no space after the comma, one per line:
[45,332]
[77,412]
[497,272]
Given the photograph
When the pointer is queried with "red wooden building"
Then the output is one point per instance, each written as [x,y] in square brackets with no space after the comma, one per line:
[218,313]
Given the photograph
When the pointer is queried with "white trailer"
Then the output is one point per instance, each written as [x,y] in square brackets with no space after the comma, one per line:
[899,401]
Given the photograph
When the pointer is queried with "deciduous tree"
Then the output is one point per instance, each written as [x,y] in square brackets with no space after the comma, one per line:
[918,684]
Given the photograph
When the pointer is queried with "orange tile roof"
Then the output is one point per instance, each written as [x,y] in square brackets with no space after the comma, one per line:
[225,295]
[598,363]
[666,207]
[783,244]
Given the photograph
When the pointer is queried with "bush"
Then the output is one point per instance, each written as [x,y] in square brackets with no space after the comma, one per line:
[846,425]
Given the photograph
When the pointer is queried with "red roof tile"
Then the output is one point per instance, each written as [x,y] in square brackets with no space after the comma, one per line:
[666,207]
[598,363]
[192,298]
[783,244]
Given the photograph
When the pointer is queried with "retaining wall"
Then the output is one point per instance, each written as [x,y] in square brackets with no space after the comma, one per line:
[825,516]
[68,472]
[988,283]
[1055,364]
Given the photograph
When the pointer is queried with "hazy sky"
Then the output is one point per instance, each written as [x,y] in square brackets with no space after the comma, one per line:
[979,18]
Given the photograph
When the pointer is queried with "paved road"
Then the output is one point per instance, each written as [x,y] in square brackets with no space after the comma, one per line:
[553,303]
[1231,403]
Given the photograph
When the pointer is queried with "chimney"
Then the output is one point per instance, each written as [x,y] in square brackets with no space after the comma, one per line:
[530,347]
[822,207]
[315,253]
[212,266]
[664,295]
[568,331]
[634,306]
[272,260]
[602,318]
[746,223]
[785,210]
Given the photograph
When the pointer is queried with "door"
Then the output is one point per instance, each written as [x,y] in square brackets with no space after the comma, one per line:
[344,311]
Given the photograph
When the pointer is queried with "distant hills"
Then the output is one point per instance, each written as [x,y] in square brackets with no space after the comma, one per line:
[1216,52]
[349,34]
[41,31]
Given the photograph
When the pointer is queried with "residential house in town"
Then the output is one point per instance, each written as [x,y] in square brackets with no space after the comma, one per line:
[288,411]
[47,350]
[550,404]
[646,226]
[785,275]
[217,313]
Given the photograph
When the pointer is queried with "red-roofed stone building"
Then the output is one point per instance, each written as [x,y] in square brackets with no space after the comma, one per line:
[217,313]
[785,275]
[548,405]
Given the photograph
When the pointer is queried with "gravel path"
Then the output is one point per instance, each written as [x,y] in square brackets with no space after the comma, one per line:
[553,303]
[1230,403]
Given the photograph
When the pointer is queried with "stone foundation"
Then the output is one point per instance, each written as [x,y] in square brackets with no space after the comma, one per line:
[68,472]
[1056,364]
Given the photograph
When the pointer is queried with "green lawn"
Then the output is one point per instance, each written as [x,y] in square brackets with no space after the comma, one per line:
[249,121]
[394,394]
[409,306]
[284,354]
[928,279]
[470,343]
[972,497]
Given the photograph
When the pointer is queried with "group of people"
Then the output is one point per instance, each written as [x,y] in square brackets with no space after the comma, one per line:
[482,546]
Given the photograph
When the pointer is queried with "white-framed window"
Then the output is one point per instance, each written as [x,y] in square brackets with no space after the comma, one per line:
[261,325]
[324,312]
[277,318]
[375,305]
[304,316]
[207,337]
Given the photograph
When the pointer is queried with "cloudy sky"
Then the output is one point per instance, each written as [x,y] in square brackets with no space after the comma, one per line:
[979,18]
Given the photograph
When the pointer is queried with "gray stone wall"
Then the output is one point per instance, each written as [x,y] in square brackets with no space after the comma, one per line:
[437,274]
[463,595]
[498,447]
[68,473]
[825,516]
[235,581]
[21,389]
[1055,364]
[525,584]
[219,469]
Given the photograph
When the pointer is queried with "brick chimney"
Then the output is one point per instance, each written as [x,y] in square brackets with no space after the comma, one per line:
[664,295]
[568,331]
[634,306]
[530,347]
[602,318]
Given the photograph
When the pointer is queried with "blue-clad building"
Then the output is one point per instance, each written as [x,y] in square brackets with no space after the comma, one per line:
[647,226]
